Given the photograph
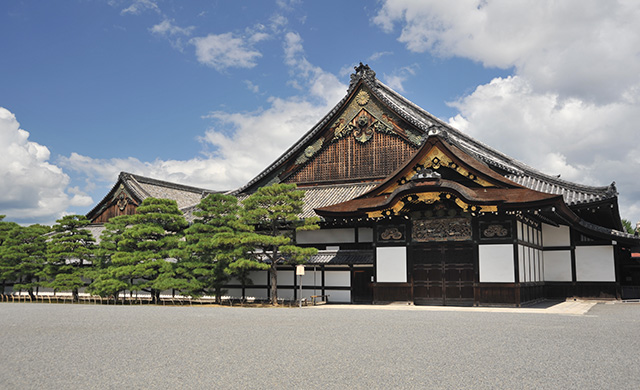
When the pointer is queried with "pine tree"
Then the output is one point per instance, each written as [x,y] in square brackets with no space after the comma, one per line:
[147,246]
[213,249]
[69,254]
[274,213]
[108,280]
[24,251]
[6,267]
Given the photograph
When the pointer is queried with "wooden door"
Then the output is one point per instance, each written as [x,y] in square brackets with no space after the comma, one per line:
[362,285]
[443,274]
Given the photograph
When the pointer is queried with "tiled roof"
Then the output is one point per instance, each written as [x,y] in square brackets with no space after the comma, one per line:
[321,196]
[518,172]
[146,187]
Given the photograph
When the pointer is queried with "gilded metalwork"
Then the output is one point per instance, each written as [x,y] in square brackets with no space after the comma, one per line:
[446,229]
[436,159]
[380,120]
[362,98]
[363,131]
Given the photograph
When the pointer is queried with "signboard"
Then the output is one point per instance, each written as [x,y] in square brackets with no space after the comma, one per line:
[299,269]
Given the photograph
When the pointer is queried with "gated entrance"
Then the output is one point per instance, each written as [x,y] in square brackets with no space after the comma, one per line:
[443,274]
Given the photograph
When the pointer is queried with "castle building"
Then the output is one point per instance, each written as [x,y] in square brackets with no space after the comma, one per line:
[414,210]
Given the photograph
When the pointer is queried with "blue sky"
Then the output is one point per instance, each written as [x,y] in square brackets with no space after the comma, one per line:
[209,93]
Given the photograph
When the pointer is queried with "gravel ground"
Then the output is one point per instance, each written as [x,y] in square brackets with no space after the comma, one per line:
[56,346]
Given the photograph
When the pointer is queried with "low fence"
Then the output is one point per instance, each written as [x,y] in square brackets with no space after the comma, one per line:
[139,300]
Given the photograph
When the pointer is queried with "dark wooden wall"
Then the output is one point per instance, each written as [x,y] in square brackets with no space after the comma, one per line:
[348,158]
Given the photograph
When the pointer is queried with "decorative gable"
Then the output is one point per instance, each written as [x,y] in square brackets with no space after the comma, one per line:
[366,141]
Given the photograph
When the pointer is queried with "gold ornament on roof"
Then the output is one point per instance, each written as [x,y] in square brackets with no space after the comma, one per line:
[362,98]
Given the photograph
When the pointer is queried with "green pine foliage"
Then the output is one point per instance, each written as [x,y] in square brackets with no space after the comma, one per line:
[70,252]
[274,213]
[628,228]
[213,250]
[25,252]
[6,266]
[145,255]
[107,280]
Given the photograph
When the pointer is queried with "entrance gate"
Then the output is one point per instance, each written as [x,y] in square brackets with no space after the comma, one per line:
[443,274]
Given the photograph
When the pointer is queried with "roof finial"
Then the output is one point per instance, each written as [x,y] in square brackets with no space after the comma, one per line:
[363,71]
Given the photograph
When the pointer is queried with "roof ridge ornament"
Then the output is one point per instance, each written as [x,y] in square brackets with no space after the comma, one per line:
[364,72]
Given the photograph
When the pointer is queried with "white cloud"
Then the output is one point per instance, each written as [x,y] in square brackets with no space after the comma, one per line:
[585,142]
[579,48]
[168,28]
[240,144]
[173,33]
[571,104]
[32,188]
[139,6]
[315,80]
[399,76]
[225,51]
[376,56]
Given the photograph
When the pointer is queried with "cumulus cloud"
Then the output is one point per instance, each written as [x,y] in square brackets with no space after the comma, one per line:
[32,188]
[571,104]
[576,48]
[232,142]
[224,51]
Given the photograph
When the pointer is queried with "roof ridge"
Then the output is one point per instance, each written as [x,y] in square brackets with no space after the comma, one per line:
[526,169]
[163,183]
[309,134]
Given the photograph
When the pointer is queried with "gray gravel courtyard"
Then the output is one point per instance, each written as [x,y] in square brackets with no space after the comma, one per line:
[56,346]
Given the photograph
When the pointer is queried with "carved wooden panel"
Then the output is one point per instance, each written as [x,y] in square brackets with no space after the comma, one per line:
[495,230]
[444,229]
[391,233]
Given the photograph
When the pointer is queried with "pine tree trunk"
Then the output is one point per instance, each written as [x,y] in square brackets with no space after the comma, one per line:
[274,285]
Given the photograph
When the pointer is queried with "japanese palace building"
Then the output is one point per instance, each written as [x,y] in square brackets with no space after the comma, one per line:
[416,211]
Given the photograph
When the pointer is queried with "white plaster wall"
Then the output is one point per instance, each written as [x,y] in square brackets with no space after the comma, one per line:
[496,263]
[557,266]
[555,236]
[365,235]
[307,278]
[259,277]
[337,278]
[521,262]
[326,236]
[338,296]
[520,227]
[595,264]
[391,264]
[285,278]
